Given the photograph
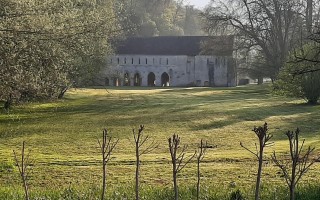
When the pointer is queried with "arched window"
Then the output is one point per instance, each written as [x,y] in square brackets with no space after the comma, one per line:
[137,80]
[126,79]
[165,79]
[151,79]
[116,82]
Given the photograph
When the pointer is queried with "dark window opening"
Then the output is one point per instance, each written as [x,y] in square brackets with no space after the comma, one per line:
[137,80]
[126,80]
[151,79]
[165,79]
[106,81]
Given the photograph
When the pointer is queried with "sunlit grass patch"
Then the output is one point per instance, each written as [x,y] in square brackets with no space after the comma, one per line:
[62,135]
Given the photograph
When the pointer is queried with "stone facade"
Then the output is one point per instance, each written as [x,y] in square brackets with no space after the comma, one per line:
[170,70]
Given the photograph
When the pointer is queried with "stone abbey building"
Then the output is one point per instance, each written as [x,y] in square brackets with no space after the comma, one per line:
[173,61]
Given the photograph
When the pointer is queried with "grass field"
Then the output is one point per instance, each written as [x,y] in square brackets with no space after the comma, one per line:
[62,137]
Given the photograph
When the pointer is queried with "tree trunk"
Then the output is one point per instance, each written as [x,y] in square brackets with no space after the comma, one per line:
[174,177]
[103,178]
[259,173]
[309,13]
[137,171]
[292,188]
[294,153]
[260,80]
[23,172]
[175,186]
[62,92]
[198,183]
[25,188]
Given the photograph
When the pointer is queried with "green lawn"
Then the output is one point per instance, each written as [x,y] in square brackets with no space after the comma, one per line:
[62,136]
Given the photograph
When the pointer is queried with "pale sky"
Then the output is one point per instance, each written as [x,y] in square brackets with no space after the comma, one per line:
[198,3]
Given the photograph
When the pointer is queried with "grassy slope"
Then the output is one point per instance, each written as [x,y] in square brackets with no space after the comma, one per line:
[63,135]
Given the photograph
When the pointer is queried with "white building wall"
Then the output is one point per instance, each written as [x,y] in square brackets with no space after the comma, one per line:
[182,70]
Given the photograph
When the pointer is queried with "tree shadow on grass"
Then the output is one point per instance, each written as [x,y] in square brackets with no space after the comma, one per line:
[304,116]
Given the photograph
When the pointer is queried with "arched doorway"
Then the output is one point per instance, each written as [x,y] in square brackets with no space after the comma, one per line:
[126,79]
[137,80]
[116,82]
[164,79]
[106,81]
[151,79]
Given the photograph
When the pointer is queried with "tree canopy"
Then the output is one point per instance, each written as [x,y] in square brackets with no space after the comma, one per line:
[159,18]
[294,80]
[47,45]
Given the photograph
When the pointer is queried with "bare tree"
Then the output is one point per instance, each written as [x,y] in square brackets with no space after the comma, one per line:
[106,146]
[200,155]
[177,160]
[269,27]
[300,162]
[23,168]
[140,140]
[264,138]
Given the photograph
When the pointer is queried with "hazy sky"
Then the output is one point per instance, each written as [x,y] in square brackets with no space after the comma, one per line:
[198,3]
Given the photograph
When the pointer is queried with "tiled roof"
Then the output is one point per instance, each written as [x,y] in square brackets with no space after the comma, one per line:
[177,45]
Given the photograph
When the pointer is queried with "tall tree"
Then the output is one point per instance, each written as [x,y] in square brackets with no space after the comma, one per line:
[45,45]
[268,27]
[309,15]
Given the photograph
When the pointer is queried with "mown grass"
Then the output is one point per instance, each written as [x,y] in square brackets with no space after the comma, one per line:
[63,136]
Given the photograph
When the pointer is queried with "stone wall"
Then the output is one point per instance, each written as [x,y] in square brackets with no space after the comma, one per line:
[180,70]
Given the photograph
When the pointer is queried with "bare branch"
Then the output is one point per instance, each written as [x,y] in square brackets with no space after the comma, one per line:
[298,165]
[255,154]
[106,147]
[23,167]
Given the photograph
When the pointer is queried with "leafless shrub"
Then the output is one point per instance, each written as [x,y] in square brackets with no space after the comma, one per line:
[200,155]
[107,146]
[177,160]
[23,166]
[299,162]
[264,139]
[140,141]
